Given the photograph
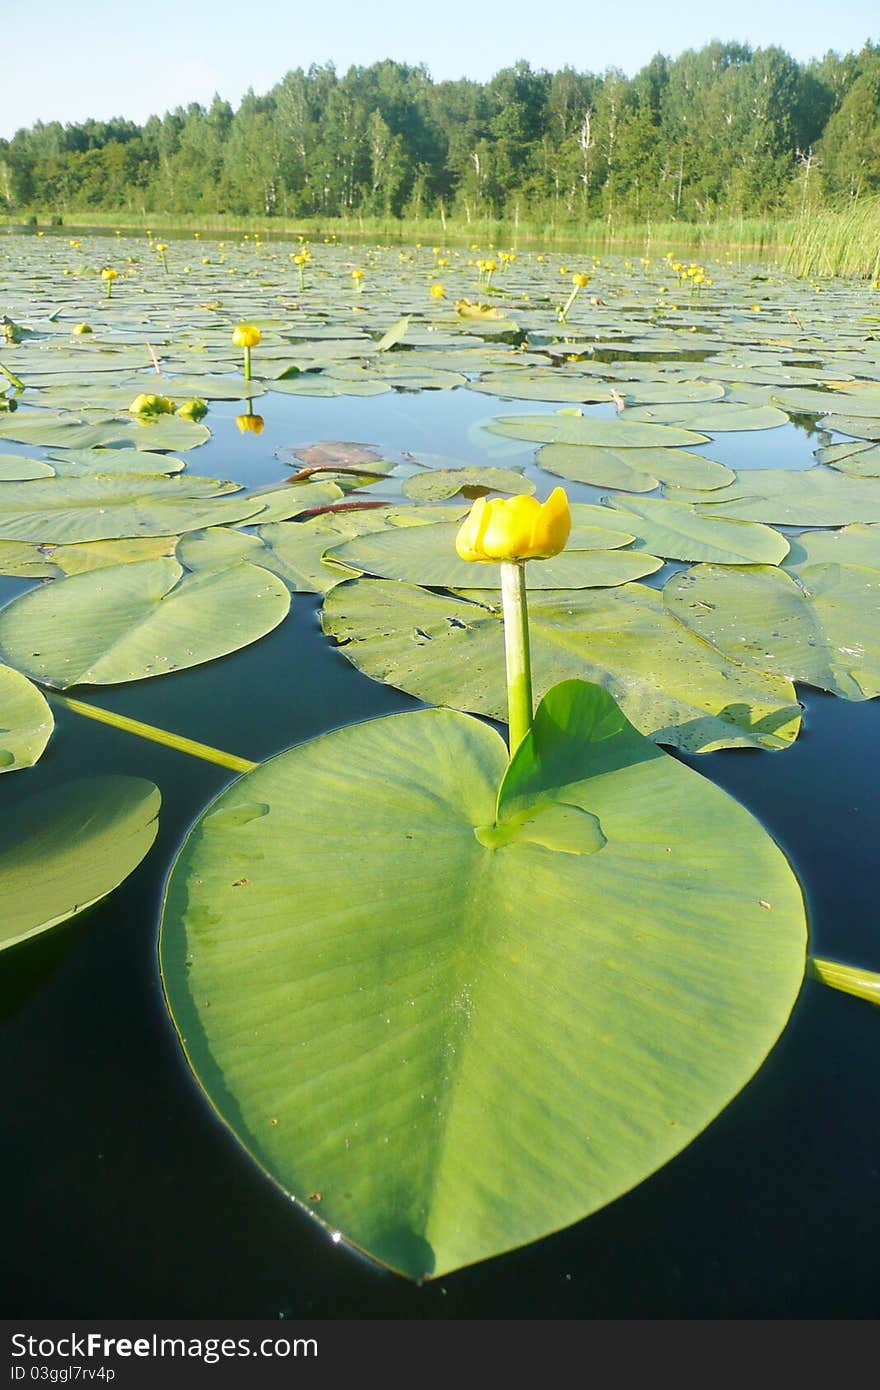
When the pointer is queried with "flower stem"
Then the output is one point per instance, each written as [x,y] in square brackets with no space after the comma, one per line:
[516,646]
[149,731]
[864,984]
[247,364]
[10,376]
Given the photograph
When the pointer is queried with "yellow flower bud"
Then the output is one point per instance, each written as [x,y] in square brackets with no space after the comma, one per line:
[437,291]
[151,405]
[108,273]
[579,280]
[246,335]
[250,424]
[193,409]
[515,528]
[80,329]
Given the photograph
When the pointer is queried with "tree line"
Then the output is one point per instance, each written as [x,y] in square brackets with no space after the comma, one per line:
[725,130]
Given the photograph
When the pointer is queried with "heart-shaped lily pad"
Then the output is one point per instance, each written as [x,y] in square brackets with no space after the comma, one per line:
[449,1021]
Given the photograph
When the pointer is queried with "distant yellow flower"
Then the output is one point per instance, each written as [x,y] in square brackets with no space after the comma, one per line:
[77,245]
[108,273]
[437,291]
[80,329]
[579,280]
[246,335]
[250,424]
[358,275]
[515,528]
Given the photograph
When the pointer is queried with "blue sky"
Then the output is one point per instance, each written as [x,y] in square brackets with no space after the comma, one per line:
[66,61]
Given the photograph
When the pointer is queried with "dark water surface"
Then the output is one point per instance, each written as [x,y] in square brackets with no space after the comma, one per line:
[123,1196]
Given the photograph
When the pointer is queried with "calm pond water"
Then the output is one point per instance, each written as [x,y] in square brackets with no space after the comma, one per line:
[123,1196]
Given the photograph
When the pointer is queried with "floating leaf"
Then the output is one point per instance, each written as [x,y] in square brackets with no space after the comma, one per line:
[382,1052]
[671,685]
[96,555]
[716,417]
[67,510]
[26,724]
[677,532]
[440,483]
[617,433]
[129,622]
[790,497]
[69,847]
[426,555]
[217,547]
[819,624]
[852,545]
[19,468]
[25,560]
[633,470]
[396,333]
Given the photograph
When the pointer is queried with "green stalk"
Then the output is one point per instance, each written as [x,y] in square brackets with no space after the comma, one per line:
[516,648]
[19,385]
[568,303]
[247,364]
[864,984]
[149,731]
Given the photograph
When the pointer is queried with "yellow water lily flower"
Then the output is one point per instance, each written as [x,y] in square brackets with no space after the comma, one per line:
[246,335]
[515,528]
[250,424]
[579,280]
[108,273]
[80,329]
[437,291]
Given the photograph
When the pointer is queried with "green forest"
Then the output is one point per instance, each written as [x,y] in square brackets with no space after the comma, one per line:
[723,131]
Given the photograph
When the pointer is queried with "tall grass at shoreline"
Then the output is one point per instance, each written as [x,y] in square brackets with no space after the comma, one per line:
[823,243]
[650,238]
[838,243]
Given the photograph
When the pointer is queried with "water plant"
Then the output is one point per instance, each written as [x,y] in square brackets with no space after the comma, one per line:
[452,991]
[246,336]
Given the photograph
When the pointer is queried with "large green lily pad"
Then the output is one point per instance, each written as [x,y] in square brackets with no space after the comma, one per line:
[819,624]
[672,685]
[67,510]
[633,470]
[437,484]
[791,497]
[26,721]
[67,848]
[128,622]
[441,1033]
[426,555]
[679,532]
[603,432]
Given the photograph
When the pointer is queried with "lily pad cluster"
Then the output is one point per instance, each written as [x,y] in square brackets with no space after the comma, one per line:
[556,969]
